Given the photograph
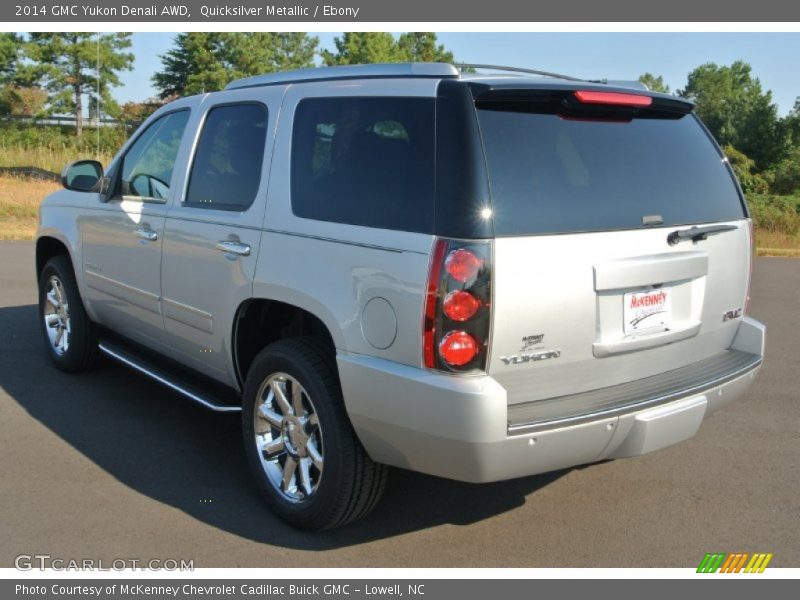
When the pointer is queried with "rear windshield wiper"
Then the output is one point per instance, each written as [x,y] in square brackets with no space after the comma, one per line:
[697,234]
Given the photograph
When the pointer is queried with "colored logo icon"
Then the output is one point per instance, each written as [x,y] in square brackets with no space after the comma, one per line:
[738,562]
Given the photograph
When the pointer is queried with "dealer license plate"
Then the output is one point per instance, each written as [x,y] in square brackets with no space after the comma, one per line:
[647,312]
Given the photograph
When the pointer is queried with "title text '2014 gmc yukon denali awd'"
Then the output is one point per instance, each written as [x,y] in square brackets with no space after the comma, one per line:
[475,276]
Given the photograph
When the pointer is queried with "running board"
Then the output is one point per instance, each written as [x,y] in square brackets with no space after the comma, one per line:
[163,377]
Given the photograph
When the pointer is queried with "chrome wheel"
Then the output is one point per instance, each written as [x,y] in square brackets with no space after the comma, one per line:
[288,437]
[56,316]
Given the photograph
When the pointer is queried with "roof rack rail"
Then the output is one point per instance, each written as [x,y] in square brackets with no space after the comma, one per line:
[371,71]
[462,66]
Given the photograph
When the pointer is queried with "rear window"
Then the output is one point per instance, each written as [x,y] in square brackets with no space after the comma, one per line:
[550,174]
[365,161]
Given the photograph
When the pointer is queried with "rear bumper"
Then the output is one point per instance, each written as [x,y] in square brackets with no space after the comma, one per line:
[458,427]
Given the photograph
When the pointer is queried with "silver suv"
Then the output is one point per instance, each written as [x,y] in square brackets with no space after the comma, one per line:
[477,277]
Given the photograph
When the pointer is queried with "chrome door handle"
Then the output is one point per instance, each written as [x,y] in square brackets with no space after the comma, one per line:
[146,234]
[230,247]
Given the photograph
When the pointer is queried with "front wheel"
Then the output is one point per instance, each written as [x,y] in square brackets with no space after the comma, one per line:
[69,335]
[305,456]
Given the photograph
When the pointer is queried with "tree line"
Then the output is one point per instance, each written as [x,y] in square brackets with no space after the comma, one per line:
[763,148]
[55,73]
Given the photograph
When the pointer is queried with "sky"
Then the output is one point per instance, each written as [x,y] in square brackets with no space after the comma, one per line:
[773,56]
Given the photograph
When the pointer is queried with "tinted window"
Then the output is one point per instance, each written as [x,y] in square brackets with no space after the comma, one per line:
[226,172]
[550,174]
[148,163]
[365,161]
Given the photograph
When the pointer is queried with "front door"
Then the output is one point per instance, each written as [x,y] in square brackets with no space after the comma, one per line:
[122,238]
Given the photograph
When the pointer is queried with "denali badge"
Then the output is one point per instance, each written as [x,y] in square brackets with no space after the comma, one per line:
[519,359]
[732,314]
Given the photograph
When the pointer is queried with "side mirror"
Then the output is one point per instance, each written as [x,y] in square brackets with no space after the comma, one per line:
[82,175]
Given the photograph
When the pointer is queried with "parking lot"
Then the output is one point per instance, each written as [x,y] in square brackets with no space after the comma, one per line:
[110,465]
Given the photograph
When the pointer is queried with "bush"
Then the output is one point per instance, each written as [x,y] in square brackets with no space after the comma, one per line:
[61,138]
[780,214]
[744,167]
[50,147]
[785,175]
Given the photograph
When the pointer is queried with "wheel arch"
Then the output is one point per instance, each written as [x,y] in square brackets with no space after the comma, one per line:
[47,247]
[261,321]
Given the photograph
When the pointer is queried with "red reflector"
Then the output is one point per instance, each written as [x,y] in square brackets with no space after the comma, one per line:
[429,327]
[458,348]
[460,305]
[462,265]
[613,98]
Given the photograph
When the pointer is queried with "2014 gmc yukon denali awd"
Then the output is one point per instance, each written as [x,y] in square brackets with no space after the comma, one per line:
[475,276]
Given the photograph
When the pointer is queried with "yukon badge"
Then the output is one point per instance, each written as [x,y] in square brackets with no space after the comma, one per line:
[519,359]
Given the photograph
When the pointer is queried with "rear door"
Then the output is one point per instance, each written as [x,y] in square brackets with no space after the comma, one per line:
[212,235]
[594,286]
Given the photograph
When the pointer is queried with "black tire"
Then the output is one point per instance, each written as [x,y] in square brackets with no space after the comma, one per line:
[350,483]
[82,352]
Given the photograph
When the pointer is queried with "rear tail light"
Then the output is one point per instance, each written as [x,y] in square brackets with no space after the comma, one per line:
[462,265]
[613,98]
[458,348]
[458,306]
[461,306]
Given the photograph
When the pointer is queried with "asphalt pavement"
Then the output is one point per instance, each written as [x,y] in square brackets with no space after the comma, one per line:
[109,465]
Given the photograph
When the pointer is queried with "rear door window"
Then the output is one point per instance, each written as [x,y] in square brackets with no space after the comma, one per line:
[226,172]
[551,174]
[365,161]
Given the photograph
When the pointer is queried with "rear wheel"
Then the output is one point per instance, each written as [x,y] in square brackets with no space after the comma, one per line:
[69,335]
[305,456]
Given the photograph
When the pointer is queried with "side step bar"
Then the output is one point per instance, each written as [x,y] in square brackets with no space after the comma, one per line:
[163,377]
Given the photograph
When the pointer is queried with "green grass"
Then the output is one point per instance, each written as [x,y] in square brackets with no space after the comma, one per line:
[44,158]
[777,224]
[51,147]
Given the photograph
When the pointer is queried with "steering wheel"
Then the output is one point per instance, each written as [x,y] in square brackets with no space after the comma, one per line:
[152,184]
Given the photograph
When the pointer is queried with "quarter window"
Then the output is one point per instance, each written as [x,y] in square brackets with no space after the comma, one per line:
[365,161]
[226,173]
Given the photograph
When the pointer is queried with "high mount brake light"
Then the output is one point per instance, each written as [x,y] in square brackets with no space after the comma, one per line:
[457,306]
[613,98]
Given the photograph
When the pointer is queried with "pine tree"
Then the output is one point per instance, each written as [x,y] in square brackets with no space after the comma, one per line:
[422,47]
[355,48]
[654,83]
[67,65]
[202,62]
[10,49]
